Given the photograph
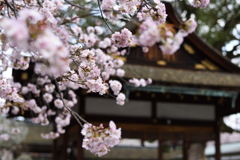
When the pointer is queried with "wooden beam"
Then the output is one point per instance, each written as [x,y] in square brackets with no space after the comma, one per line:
[165,132]
[37,148]
[148,120]
[163,128]
[217,143]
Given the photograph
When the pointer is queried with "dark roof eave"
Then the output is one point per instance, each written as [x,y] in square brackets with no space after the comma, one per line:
[208,50]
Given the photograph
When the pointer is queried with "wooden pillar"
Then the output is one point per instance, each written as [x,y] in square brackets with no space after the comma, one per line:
[54,151]
[217,143]
[160,149]
[80,151]
[217,133]
[64,148]
[185,147]
[60,148]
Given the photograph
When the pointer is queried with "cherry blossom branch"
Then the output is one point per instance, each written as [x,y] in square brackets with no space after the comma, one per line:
[77,117]
[12,8]
[101,12]
[43,33]
[39,3]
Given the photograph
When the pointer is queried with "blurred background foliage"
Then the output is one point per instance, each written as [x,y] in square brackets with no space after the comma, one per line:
[218,24]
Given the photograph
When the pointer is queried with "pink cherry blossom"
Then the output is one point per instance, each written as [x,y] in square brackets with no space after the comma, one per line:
[116,86]
[98,139]
[108,4]
[120,72]
[32,105]
[189,27]
[51,135]
[129,6]
[123,38]
[172,44]
[30,15]
[140,82]
[48,97]
[200,3]
[157,12]
[149,33]
[58,103]
[8,92]
[121,99]
[97,86]
[18,36]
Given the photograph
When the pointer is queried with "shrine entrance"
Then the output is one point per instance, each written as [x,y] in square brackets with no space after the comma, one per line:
[162,130]
[181,110]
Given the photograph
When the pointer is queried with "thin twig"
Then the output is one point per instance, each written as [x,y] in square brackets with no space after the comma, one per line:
[14,8]
[73,113]
[101,12]
[9,6]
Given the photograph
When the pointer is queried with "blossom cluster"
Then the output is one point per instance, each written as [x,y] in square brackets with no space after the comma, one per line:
[42,39]
[168,38]
[140,82]
[200,3]
[153,28]
[67,54]
[116,9]
[53,104]
[36,36]
[98,139]
[9,91]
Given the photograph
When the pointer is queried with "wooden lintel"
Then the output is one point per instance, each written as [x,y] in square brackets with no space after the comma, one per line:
[164,128]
